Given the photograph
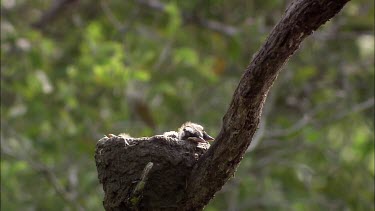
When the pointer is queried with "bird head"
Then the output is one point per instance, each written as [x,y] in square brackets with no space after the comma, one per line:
[194,132]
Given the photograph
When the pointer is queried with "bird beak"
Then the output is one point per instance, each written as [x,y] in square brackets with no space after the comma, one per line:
[207,137]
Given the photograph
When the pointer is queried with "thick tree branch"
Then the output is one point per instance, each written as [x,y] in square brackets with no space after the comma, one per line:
[185,176]
[240,122]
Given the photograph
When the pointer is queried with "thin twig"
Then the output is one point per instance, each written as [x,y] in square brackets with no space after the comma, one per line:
[56,8]
[38,166]
[111,17]
[137,193]
[309,118]
[369,103]
[213,25]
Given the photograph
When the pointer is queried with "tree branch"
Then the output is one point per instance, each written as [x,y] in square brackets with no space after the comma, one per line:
[215,167]
[43,170]
[308,118]
[213,25]
[57,7]
[185,176]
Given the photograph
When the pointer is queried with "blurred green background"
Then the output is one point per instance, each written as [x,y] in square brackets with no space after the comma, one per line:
[72,71]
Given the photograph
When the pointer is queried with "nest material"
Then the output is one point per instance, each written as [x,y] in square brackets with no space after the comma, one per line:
[121,161]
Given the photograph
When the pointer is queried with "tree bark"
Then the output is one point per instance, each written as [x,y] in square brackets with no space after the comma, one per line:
[191,183]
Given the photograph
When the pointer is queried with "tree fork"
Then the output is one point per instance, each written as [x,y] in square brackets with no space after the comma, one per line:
[191,182]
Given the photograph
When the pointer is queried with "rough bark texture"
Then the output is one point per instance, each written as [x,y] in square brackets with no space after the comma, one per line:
[240,122]
[205,177]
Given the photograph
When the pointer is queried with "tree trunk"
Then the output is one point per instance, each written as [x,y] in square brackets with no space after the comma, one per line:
[163,173]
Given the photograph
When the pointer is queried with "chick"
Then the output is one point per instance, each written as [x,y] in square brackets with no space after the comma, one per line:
[193,132]
[171,134]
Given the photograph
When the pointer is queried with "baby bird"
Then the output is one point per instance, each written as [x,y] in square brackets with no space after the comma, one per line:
[193,132]
[171,134]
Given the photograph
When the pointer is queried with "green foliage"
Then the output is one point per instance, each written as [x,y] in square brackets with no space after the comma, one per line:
[120,66]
